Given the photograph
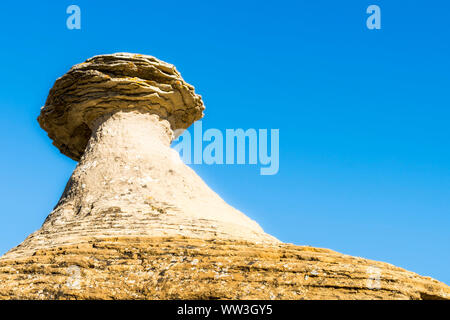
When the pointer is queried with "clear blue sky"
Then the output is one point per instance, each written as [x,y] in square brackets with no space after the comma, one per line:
[363,115]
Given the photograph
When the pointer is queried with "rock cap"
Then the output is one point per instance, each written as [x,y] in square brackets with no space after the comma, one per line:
[109,83]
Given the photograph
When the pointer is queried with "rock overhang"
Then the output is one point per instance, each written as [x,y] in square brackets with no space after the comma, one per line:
[109,83]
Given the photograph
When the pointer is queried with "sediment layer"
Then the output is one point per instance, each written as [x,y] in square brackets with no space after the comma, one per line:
[186,268]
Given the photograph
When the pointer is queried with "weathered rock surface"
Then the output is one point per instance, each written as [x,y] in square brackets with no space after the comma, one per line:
[117,114]
[109,83]
[183,268]
[134,222]
[130,182]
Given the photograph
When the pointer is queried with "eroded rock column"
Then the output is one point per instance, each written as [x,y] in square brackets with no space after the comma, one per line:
[130,182]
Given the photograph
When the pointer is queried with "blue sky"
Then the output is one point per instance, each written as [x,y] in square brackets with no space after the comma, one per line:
[363,114]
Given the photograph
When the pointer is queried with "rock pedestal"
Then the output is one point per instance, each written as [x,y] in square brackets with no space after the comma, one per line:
[129,182]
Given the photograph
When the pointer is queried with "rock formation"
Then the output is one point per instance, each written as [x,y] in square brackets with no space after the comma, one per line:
[135,222]
[117,115]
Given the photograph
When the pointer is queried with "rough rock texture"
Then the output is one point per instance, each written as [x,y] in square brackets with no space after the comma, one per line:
[130,182]
[117,115]
[109,83]
[134,222]
[183,268]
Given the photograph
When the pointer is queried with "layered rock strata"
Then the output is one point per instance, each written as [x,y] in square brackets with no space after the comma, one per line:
[134,222]
[116,82]
[187,268]
[128,180]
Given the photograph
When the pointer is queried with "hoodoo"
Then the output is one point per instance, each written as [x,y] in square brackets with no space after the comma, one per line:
[134,222]
[116,115]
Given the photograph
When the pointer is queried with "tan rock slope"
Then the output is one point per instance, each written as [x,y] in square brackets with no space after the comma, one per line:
[134,222]
[188,268]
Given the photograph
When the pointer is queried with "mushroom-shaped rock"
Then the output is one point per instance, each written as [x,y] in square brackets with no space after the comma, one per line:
[117,115]
[106,84]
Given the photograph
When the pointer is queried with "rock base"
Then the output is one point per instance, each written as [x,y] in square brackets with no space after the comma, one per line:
[187,268]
